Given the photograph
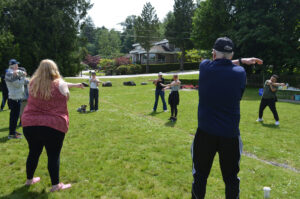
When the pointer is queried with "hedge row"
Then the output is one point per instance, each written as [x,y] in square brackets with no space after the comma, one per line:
[155,68]
[193,82]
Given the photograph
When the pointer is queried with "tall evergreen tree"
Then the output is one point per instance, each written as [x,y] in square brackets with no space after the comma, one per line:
[146,29]
[179,28]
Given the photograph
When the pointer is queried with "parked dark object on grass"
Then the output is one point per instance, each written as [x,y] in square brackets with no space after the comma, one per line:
[129,83]
[107,84]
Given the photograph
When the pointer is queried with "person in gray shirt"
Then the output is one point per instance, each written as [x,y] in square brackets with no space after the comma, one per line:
[15,80]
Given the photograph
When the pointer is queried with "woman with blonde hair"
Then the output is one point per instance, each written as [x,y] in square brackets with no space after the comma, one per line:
[45,120]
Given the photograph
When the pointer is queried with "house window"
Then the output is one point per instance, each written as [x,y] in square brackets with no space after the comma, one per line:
[151,57]
[161,58]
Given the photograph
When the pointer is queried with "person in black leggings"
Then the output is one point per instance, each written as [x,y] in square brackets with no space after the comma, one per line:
[174,96]
[38,137]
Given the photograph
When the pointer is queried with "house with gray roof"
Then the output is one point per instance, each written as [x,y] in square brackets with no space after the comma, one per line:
[160,52]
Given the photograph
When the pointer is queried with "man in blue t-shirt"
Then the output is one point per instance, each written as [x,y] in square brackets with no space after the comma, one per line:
[221,86]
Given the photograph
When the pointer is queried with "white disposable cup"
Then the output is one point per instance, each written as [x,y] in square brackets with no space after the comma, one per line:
[267,192]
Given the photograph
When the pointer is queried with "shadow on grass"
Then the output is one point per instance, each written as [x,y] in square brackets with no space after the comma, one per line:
[23,192]
[273,126]
[4,129]
[4,139]
[170,124]
[153,113]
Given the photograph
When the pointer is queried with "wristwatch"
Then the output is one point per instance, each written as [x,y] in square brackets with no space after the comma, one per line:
[240,61]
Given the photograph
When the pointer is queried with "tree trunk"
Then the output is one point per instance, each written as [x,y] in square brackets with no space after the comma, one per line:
[182,59]
[147,63]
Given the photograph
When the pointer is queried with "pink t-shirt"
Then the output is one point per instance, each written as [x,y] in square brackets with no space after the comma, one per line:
[52,113]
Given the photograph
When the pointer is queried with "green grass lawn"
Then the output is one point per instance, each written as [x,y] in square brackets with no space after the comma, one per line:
[125,151]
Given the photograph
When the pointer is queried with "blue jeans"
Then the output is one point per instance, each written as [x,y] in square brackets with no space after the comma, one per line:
[162,95]
[14,106]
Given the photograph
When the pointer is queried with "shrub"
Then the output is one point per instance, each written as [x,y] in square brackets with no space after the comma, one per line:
[155,68]
[122,61]
[193,82]
[92,61]
[129,69]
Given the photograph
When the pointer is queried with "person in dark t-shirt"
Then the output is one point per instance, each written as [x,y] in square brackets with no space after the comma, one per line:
[221,86]
[269,98]
[159,92]
[4,91]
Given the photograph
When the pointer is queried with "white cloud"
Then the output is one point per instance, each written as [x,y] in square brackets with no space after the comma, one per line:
[110,13]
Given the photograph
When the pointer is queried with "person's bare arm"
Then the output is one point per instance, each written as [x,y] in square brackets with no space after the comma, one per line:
[77,85]
[172,84]
[248,61]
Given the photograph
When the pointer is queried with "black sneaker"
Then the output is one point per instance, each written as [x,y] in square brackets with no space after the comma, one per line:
[14,137]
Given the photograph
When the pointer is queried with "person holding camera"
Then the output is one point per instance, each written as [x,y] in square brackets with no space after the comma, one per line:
[15,80]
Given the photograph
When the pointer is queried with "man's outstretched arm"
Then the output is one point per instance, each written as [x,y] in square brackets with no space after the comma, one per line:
[248,61]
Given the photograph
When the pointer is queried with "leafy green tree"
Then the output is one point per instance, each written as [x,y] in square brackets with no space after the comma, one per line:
[127,36]
[268,29]
[178,29]
[49,29]
[8,47]
[146,29]
[109,43]
[212,19]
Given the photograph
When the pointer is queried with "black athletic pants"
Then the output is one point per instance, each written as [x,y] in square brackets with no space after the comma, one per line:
[174,110]
[38,137]
[203,150]
[14,106]
[271,103]
[94,98]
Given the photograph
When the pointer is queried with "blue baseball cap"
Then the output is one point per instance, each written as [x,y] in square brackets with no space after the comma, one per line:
[13,62]
[224,44]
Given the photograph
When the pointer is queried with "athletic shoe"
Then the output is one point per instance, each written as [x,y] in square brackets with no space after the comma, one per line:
[17,133]
[60,186]
[277,123]
[165,110]
[14,137]
[32,181]
[153,110]
[91,110]
[259,120]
